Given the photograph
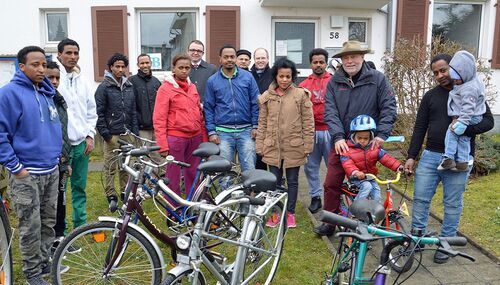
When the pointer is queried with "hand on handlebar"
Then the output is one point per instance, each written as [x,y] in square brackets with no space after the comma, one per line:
[359,175]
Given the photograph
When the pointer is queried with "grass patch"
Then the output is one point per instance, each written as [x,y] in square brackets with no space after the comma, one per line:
[304,260]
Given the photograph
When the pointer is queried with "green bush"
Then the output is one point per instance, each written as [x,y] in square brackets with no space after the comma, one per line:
[487,157]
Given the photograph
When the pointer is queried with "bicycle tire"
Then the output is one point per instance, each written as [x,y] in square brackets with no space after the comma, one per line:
[400,258]
[6,271]
[260,238]
[183,278]
[138,264]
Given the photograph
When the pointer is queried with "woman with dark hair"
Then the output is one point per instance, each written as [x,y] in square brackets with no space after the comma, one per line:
[178,121]
[285,134]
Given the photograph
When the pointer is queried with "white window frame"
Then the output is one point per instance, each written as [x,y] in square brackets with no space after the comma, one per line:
[272,58]
[367,21]
[481,24]
[45,24]
[161,73]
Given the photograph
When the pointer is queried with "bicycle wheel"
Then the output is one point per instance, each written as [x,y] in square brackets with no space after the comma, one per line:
[138,262]
[6,271]
[184,278]
[220,183]
[401,257]
[268,239]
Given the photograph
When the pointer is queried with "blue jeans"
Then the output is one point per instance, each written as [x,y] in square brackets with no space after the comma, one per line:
[243,143]
[367,188]
[458,147]
[322,147]
[427,178]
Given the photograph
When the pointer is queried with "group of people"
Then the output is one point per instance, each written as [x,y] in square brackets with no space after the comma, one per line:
[49,117]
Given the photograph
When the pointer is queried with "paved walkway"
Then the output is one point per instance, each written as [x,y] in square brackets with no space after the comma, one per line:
[456,271]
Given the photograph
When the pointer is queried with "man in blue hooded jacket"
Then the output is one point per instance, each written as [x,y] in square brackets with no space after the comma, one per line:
[30,146]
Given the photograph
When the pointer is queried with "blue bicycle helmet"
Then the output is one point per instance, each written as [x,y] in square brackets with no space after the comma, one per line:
[363,123]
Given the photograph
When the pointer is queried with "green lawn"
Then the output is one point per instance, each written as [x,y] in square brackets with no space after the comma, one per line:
[305,257]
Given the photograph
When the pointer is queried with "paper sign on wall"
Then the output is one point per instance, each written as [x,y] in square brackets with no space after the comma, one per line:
[281,48]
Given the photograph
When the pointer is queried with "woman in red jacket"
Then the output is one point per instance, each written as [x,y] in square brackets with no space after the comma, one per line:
[178,121]
[362,158]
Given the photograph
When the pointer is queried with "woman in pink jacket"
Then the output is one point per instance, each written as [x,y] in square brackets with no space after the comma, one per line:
[178,121]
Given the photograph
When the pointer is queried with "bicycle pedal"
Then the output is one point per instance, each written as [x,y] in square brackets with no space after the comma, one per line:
[344,266]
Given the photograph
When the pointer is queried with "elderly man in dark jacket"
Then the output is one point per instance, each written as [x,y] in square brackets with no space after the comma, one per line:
[355,89]
[145,86]
[116,112]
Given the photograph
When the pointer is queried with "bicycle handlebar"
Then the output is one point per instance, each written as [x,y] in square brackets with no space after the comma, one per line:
[128,132]
[332,218]
[387,181]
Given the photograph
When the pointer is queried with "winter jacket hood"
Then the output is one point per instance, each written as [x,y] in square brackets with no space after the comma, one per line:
[467,99]
[29,126]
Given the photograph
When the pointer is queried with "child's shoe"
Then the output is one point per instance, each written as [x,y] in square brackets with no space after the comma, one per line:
[461,166]
[446,164]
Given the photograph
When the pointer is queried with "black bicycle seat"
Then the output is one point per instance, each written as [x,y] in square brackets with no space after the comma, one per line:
[361,209]
[206,149]
[214,164]
[258,180]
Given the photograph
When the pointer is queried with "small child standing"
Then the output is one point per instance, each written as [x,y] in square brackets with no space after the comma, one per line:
[362,158]
[466,104]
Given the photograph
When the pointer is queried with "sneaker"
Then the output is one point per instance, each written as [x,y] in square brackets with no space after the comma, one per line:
[37,280]
[73,249]
[446,164]
[324,229]
[440,257]
[113,203]
[315,205]
[55,244]
[290,220]
[273,220]
[461,166]
[48,268]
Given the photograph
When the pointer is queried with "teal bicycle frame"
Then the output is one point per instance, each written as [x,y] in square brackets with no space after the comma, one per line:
[363,234]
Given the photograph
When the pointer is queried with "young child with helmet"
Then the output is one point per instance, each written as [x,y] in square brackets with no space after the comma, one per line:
[362,157]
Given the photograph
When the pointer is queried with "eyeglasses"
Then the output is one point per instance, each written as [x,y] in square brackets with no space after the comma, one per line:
[196,50]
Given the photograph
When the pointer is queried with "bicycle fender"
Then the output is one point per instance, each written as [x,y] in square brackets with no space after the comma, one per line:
[144,234]
[184,268]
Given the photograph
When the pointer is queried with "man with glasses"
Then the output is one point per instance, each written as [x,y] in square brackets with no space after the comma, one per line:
[200,69]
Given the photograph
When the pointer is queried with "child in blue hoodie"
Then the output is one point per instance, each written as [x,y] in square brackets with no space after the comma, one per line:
[30,146]
[466,105]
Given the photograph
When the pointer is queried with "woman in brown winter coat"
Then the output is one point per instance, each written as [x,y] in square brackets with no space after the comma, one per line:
[286,130]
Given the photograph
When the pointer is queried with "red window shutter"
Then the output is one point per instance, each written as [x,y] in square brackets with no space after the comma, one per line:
[495,61]
[109,35]
[223,27]
[412,19]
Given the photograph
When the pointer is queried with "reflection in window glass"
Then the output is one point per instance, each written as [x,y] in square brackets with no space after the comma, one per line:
[294,40]
[357,31]
[57,26]
[460,23]
[166,33]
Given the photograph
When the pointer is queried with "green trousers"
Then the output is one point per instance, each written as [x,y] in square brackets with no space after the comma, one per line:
[80,165]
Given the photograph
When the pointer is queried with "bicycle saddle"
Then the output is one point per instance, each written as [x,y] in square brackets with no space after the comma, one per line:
[206,149]
[258,180]
[361,209]
[215,163]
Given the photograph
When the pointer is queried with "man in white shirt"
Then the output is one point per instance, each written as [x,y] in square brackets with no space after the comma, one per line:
[82,118]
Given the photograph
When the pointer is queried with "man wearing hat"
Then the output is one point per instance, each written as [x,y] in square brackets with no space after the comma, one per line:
[243,59]
[354,89]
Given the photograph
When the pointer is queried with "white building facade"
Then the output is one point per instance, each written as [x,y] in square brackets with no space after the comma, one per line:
[284,27]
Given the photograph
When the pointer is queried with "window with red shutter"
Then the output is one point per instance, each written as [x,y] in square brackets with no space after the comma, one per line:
[223,27]
[109,35]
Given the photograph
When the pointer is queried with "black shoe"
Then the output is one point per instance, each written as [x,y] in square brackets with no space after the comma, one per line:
[315,205]
[324,229]
[440,257]
[113,203]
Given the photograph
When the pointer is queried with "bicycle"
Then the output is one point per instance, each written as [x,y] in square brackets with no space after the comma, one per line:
[6,270]
[112,247]
[258,247]
[348,261]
